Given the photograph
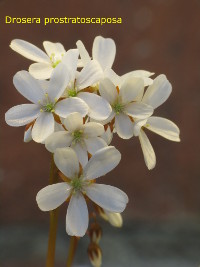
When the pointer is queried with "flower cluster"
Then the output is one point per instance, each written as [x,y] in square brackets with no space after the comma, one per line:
[78,103]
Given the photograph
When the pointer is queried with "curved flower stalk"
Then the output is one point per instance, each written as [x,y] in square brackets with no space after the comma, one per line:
[125,104]
[155,95]
[46,62]
[83,138]
[82,184]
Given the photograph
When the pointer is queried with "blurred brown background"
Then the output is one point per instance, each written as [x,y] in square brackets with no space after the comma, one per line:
[162,36]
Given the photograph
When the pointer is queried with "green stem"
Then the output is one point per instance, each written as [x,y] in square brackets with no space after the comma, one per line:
[72,250]
[53,221]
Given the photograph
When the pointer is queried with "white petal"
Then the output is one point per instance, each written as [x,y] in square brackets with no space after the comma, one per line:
[137,125]
[56,140]
[102,162]
[73,104]
[123,126]
[104,50]
[22,114]
[111,75]
[93,129]
[157,93]
[99,108]
[53,48]
[41,70]
[67,161]
[147,149]
[108,91]
[59,80]
[77,216]
[85,58]
[107,135]
[89,75]
[130,89]
[52,196]
[94,144]
[70,60]
[138,110]
[140,74]
[73,122]
[29,51]
[107,197]
[28,135]
[164,127]
[43,127]
[29,87]
[81,152]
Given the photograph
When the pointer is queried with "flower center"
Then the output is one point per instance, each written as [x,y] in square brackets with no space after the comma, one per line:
[72,93]
[76,183]
[54,64]
[49,107]
[55,59]
[118,108]
[77,135]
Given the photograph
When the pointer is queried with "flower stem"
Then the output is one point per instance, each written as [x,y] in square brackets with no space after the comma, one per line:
[72,250]
[53,221]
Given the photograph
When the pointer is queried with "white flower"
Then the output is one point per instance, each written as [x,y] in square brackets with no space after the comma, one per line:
[81,137]
[155,95]
[107,197]
[99,108]
[55,53]
[125,103]
[44,103]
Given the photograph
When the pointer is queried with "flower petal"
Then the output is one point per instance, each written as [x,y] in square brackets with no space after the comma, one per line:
[140,74]
[59,80]
[70,60]
[56,140]
[22,114]
[163,127]
[41,70]
[94,144]
[29,51]
[102,162]
[107,197]
[147,149]
[89,75]
[28,135]
[99,108]
[53,48]
[138,110]
[52,196]
[81,152]
[107,136]
[111,75]
[67,161]
[27,86]
[85,58]
[157,93]
[77,216]
[73,122]
[73,104]
[123,126]
[108,91]
[137,125]
[130,89]
[93,129]
[104,50]
[43,127]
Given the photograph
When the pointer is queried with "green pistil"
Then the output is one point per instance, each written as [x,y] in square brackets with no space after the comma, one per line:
[77,136]
[54,64]
[118,108]
[72,93]
[49,107]
[76,183]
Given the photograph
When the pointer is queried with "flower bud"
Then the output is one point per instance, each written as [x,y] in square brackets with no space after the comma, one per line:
[114,218]
[95,255]
[95,232]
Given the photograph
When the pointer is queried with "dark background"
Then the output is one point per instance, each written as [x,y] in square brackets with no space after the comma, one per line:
[161,36]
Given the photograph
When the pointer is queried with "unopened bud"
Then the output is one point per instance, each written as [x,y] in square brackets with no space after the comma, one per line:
[95,255]
[95,232]
[114,218]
